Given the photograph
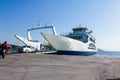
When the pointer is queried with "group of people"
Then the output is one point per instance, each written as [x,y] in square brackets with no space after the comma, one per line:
[4,49]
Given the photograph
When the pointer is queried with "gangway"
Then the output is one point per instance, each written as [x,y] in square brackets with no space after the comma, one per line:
[34,44]
[29,41]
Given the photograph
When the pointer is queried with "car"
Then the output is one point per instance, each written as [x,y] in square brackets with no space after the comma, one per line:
[26,49]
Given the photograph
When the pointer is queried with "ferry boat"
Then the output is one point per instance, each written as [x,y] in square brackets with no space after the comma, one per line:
[79,42]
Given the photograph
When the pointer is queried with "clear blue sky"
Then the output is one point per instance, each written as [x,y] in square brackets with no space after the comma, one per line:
[101,16]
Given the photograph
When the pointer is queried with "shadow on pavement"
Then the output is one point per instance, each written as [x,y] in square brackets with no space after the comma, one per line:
[114,79]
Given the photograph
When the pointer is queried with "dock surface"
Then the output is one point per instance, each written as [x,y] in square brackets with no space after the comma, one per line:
[57,67]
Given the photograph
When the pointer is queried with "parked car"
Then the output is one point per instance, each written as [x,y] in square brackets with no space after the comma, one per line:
[26,49]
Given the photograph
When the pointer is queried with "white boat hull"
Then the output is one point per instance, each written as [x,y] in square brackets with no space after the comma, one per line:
[65,45]
[29,43]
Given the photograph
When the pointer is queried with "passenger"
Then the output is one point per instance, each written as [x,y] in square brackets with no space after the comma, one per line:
[1,50]
[8,50]
[42,47]
[4,49]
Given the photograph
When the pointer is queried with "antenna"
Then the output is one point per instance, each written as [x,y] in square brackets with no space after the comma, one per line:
[39,23]
[80,25]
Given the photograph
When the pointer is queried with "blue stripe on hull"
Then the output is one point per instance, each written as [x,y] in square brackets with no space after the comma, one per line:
[85,53]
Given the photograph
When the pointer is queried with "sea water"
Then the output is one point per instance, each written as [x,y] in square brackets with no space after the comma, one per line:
[102,53]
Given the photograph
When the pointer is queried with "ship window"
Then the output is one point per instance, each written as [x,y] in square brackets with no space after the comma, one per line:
[92,40]
[91,46]
[80,36]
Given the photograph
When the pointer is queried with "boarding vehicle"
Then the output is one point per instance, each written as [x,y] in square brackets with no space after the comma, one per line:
[26,49]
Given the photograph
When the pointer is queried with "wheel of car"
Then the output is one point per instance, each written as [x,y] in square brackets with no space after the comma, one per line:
[27,51]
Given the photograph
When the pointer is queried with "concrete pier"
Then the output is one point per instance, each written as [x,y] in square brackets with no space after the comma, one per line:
[32,66]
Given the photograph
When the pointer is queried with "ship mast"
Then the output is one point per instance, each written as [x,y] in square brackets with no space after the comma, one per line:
[40,27]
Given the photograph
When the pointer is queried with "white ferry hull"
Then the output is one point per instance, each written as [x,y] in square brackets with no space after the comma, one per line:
[65,45]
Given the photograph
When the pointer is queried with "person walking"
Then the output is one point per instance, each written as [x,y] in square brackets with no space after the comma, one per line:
[4,48]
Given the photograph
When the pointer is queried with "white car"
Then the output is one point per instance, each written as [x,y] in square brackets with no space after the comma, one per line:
[26,49]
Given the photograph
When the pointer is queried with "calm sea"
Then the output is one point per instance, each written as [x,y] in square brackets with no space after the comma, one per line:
[102,53]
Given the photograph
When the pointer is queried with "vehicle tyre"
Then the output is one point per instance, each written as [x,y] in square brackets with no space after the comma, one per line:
[27,51]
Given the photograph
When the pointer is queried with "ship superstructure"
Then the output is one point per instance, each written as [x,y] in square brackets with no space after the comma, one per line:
[83,34]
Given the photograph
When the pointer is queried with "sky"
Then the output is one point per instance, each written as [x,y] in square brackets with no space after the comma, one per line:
[100,16]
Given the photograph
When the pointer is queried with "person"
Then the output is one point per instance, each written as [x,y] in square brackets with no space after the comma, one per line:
[4,49]
[9,48]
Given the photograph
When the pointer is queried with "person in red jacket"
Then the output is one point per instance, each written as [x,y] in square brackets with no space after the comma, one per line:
[4,49]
